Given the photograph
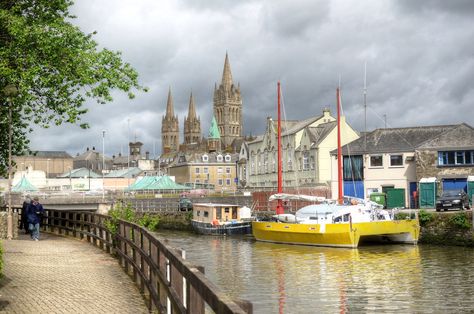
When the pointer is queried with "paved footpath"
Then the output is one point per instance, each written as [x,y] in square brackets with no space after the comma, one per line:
[64,275]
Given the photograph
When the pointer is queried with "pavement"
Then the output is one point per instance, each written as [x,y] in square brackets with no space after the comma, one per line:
[64,275]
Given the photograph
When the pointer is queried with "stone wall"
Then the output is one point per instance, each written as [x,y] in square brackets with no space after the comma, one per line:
[450,228]
[3,225]
[427,166]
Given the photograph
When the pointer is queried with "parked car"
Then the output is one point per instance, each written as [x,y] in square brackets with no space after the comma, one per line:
[185,204]
[452,199]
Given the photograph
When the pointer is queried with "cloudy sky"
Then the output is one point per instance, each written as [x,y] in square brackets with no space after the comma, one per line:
[419,56]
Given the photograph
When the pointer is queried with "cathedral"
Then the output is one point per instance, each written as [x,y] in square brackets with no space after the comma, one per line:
[226,128]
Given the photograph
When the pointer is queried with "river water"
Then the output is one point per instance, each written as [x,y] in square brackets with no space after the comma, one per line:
[280,278]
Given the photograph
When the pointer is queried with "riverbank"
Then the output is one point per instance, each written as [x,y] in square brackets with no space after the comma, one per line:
[446,228]
[443,228]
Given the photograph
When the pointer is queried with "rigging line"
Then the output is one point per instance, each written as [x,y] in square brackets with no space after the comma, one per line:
[348,144]
[396,132]
[284,176]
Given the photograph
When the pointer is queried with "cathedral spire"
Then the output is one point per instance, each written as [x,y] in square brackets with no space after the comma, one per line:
[226,74]
[169,105]
[192,108]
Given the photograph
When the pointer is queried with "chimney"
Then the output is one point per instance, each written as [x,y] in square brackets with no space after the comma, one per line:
[147,155]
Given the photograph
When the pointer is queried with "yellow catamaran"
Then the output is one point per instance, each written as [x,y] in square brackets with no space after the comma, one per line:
[342,223]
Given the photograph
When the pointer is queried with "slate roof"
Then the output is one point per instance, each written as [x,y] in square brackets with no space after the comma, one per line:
[394,140]
[49,154]
[318,134]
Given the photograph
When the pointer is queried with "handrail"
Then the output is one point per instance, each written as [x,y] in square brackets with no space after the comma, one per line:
[169,283]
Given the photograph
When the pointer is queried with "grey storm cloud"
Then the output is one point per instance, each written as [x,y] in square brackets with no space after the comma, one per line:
[419,56]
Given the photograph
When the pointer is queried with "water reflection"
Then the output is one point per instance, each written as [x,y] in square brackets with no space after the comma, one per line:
[298,279]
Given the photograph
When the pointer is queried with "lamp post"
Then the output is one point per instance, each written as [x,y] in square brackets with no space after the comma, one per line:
[10,91]
[103,164]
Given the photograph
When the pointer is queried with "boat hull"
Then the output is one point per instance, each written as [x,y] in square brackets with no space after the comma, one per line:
[337,235]
[227,229]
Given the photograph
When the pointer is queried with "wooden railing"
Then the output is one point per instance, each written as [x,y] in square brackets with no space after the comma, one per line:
[169,283]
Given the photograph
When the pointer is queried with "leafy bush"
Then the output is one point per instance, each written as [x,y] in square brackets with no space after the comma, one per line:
[149,222]
[460,220]
[121,211]
[425,217]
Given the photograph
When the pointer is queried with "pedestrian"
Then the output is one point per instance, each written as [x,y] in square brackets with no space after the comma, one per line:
[24,220]
[34,214]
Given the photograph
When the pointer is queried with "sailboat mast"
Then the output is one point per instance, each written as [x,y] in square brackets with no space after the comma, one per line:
[339,154]
[279,209]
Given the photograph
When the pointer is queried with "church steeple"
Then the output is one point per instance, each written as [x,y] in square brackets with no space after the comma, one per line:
[169,128]
[192,124]
[228,107]
[169,105]
[191,108]
[226,73]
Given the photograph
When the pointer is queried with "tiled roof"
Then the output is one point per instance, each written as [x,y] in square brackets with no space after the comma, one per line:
[394,139]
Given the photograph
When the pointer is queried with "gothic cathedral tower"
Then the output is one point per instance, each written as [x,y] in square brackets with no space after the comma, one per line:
[169,128]
[228,107]
[192,124]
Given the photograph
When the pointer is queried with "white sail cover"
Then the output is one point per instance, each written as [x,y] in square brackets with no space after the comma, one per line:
[299,197]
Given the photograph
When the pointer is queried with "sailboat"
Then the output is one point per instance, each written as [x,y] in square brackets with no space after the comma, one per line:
[345,222]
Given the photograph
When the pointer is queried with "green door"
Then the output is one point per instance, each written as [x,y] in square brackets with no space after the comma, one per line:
[470,190]
[427,197]
[395,198]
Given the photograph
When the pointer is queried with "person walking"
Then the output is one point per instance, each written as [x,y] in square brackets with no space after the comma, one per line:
[34,214]
[24,220]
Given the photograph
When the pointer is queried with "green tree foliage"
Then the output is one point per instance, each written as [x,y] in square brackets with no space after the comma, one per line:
[55,67]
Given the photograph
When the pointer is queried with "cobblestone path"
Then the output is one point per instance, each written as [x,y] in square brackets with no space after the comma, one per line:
[63,275]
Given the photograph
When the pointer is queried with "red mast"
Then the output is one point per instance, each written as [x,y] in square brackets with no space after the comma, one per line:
[279,208]
[339,154]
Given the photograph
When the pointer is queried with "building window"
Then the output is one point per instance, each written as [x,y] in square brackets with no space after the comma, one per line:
[206,170]
[312,164]
[219,170]
[265,162]
[376,161]
[198,181]
[227,182]
[220,182]
[227,170]
[290,165]
[353,168]
[205,158]
[453,158]
[219,158]
[306,161]
[396,160]
[197,170]
[227,158]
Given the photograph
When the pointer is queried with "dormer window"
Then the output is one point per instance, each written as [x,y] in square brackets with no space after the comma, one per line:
[219,158]
[227,158]
[205,158]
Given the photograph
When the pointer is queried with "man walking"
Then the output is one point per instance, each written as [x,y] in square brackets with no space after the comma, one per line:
[34,213]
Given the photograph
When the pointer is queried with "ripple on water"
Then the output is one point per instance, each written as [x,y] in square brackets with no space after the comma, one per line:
[301,279]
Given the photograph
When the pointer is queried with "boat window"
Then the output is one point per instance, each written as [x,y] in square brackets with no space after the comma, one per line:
[206,214]
[218,213]
[346,217]
[234,213]
[226,210]
[198,213]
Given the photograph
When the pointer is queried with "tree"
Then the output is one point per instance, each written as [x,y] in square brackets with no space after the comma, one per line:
[55,67]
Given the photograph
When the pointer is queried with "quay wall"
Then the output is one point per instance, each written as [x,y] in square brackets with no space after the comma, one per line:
[447,228]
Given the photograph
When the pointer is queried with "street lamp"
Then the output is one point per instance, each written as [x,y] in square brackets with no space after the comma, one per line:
[103,163]
[10,91]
